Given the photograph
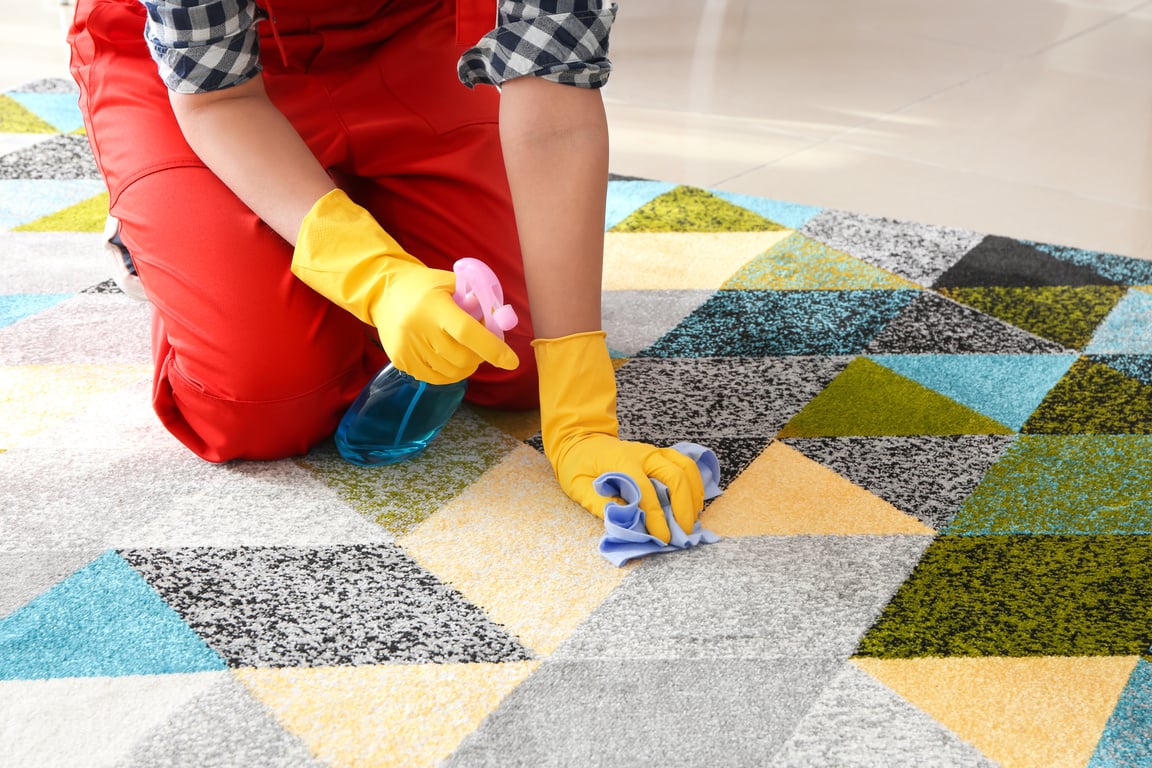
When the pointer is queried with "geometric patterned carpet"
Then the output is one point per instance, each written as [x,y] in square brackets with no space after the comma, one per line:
[936,453]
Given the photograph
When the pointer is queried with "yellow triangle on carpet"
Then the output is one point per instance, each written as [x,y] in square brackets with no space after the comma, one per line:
[86,216]
[539,592]
[380,715]
[1021,712]
[785,493]
[16,118]
[679,260]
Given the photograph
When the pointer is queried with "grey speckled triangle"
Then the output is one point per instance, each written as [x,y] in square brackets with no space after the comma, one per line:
[321,606]
[699,398]
[635,713]
[221,728]
[859,723]
[60,157]
[918,252]
[48,85]
[750,597]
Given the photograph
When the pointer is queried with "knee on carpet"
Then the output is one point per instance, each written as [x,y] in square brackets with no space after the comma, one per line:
[220,429]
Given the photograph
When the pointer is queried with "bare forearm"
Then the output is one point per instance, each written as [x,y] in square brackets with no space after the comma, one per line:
[251,147]
[555,141]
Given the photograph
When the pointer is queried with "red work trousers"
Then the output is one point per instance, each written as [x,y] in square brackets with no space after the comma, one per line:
[250,362]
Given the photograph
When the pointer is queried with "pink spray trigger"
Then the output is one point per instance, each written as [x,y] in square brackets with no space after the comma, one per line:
[478,293]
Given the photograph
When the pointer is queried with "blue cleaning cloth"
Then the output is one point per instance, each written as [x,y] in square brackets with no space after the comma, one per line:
[625,535]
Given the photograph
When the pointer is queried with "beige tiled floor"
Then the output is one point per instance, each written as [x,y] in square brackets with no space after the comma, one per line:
[32,41]
[1030,118]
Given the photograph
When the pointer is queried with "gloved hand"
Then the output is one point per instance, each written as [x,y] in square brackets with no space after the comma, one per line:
[345,256]
[581,435]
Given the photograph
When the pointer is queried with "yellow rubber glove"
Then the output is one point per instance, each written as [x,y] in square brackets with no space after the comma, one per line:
[581,435]
[345,256]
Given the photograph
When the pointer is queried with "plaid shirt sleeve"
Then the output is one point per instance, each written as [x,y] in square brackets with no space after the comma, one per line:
[561,40]
[203,45]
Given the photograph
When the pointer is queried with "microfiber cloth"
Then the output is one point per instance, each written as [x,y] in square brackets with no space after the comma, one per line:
[625,535]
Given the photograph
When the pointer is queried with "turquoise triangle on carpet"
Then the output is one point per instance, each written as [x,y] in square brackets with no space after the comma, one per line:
[1007,388]
[17,306]
[1128,328]
[103,621]
[790,215]
[61,110]
[1127,739]
[1123,269]
[25,200]
[1138,367]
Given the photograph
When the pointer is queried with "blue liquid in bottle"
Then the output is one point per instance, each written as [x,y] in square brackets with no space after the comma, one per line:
[395,417]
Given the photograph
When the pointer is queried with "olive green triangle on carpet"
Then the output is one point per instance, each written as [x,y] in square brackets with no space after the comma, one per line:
[869,399]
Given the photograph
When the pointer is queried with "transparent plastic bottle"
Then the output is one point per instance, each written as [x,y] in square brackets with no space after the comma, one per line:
[396,416]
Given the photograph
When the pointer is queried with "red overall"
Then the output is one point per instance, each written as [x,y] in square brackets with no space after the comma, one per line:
[250,362]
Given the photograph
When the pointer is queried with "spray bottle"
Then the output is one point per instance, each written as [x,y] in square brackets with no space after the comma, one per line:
[396,416]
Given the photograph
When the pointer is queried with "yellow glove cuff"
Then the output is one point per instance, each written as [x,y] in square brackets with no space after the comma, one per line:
[344,255]
[577,389]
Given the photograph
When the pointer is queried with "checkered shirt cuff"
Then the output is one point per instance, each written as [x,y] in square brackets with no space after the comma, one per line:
[203,46]
[561,40]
